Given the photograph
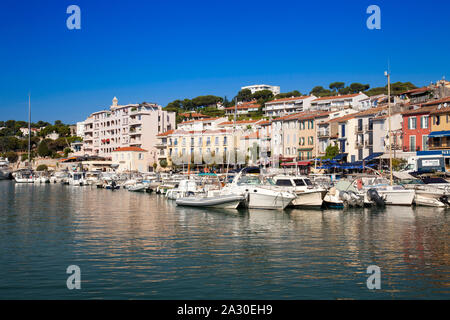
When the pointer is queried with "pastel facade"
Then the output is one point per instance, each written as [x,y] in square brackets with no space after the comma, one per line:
[129,125]
[286,106]
[130,159]
[339,102]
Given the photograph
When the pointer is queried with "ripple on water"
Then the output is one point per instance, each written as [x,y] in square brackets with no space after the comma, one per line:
[131,245]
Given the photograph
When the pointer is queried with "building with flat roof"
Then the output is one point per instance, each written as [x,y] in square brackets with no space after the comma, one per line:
[131,125]
[259,87]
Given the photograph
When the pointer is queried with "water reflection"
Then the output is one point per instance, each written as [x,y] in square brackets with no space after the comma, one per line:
[132,245]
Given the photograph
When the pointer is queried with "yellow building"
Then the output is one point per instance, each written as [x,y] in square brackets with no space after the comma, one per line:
[131,159]
[212,145]
[439,137]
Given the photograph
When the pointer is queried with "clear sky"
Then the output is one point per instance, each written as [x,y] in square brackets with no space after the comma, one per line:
[159,51]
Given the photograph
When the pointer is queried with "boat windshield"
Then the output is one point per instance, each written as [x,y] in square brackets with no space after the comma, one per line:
[299,182]
[251,180]
[308,182]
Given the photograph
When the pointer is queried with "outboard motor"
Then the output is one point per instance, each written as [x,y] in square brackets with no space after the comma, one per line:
[444,200]
[345,197]
[355,199]
[373,196]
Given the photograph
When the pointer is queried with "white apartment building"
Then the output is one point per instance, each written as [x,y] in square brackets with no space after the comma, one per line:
[338,102]
[281,107]
[131,125]
[259,87]
[80,129]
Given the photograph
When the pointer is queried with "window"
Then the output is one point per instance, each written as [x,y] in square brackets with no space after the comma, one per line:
[217,141]
[224,141]
[299,182]
[438,120]
[412,123]
[412,143]
[424,121]
[424,143]
[284,183]
[208,141]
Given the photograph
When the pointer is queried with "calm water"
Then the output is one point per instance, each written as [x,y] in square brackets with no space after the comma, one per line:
[131,245]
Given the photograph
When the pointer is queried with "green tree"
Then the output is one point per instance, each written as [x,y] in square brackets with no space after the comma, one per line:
[336,86]
[43,149]
[67,151]
[42,167]
[11,156]
[244,95]
[331,152]
[358,87]
[320,91]
[163,163]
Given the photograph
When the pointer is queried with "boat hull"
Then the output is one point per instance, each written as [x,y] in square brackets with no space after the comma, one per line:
[258,199]
[398,197]
[310,199]
[222,202]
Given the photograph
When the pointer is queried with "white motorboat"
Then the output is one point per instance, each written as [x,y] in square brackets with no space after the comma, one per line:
[214,199]
[249,182]
[137,187]
[24,176]
[77,179]
[186,188]
[430,195]
[307,194]
[59,177]
[392,195]
[5,171]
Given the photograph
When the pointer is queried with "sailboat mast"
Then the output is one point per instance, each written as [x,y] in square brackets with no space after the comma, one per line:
[390,136]
[234,134]
[29,128]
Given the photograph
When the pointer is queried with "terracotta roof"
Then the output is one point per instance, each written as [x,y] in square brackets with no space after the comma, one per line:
[436,102]
[193,115]
[289,99]
[254,135]
[165,133]
[130,149]
[200,120]
[337,97]
[418,90]
[237,122]
[245,105]
[419,110]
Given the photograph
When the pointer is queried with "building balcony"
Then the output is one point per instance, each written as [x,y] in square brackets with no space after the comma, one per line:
[358,129]
[368,144]
[323,133]
[359,145]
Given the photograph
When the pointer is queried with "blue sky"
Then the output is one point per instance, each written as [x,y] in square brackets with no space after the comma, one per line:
[159,51]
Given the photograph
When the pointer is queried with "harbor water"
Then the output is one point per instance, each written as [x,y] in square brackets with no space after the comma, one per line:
[142,246]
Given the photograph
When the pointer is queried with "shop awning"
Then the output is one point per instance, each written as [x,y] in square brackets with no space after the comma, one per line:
[373,156]
[298,163]
[438,134]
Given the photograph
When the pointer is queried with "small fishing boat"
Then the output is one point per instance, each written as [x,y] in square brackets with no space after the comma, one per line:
[224,201]
[138,187]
